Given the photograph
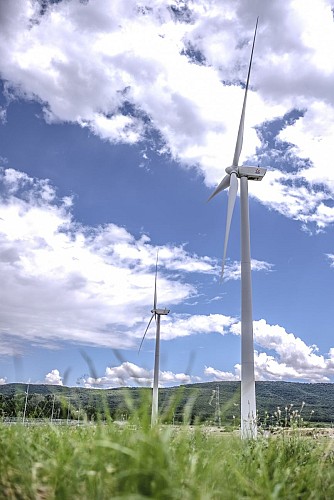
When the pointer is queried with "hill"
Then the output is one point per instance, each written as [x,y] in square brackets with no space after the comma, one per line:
[198,401]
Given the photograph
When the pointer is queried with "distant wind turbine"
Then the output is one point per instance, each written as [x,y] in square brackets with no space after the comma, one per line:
[156,313]
[244,173]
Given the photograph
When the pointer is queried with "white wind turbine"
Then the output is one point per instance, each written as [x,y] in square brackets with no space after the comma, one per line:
[156,313]
[244,173]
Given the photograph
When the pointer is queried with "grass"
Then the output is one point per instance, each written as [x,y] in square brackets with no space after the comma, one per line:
[109,461]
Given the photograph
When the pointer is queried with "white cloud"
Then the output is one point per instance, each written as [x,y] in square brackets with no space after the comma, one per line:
[288,195]
[3,380]
[62,281]
[290,349]
[269,368]
[66,282]
[121,128]
[289,356]
[53,378]
[123,70]
[279,355]
[3,115]
[232,270]
[185,325]
[221,375]
[174,258]
[284,356]
[331,258]
[129,374]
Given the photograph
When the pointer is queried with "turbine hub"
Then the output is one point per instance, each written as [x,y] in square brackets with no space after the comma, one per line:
[232,170]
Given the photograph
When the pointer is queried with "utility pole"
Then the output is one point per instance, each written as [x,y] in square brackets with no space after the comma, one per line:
[25,404]
[218,414]
[53,407]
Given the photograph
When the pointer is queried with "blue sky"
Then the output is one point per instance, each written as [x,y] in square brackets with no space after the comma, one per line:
[117,122]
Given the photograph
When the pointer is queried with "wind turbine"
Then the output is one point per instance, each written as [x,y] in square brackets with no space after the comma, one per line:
[244,173]
[156,313]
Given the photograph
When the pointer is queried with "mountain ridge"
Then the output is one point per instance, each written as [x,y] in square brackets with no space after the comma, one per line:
[313,401]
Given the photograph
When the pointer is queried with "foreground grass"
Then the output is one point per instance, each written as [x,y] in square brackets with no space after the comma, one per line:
[104,462]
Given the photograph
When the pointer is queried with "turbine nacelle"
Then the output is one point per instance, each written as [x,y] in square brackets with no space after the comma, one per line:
[161,312]
[252,173]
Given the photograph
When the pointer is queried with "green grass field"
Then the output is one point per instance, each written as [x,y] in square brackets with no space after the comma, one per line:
[108,461]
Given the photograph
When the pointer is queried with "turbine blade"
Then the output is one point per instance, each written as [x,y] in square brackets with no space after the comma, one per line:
[155,283]
[148,326]
[238,146]
[223,185]
[232,194]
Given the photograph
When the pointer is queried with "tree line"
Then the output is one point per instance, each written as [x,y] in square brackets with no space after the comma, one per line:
[214,402]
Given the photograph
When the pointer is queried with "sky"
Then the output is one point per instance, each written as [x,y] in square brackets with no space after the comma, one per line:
[117,121]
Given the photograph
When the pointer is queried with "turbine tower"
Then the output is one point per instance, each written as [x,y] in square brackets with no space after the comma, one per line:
[156,313]
[244,173]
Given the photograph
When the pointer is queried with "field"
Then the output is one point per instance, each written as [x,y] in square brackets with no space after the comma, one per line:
[105,448]
[133,461]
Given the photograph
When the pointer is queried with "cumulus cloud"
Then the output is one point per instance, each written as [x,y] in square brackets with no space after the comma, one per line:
[217,375]
[3,380]
[62,281]
[65,282]
[129,374]
[279,355]
[53,378]
[124,71]
[3,115]
[185,325]
[331,259]
[290,357]
[177,68]
[232,270]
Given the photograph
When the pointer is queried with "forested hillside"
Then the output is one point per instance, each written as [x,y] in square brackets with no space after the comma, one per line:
[196,402]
